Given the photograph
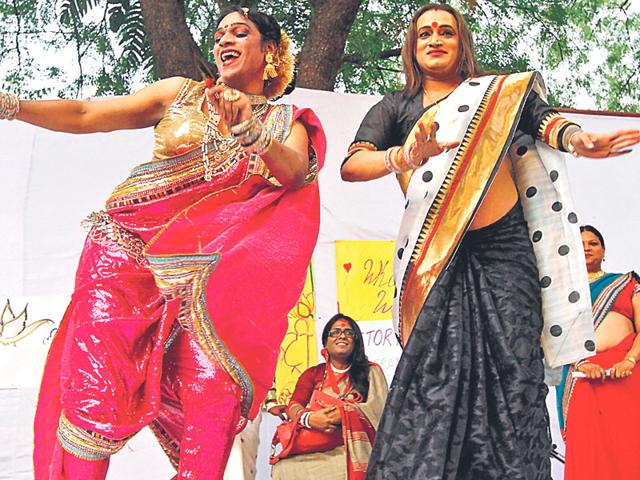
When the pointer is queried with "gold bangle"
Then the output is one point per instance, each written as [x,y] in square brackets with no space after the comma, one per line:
[9,105]
[632,360]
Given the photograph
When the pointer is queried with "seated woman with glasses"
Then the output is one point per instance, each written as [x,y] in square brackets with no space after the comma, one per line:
[334,410]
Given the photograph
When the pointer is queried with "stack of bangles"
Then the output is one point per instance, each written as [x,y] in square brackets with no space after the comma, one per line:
[399,159]
[304,419]
[252,136]
[9,105]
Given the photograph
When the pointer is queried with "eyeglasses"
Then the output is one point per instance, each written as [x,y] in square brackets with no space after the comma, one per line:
[336,332]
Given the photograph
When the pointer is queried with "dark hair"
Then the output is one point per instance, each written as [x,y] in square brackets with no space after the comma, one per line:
[467,64]
[268,27]
[359,362]
[595,231]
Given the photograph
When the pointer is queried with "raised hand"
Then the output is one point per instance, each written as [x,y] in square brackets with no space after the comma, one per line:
[604,145]
[232,105]
[426,144]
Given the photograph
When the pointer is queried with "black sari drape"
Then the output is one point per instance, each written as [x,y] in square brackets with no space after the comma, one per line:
[468,398]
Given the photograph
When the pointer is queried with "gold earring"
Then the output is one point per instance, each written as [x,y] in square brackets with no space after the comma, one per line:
[270,68]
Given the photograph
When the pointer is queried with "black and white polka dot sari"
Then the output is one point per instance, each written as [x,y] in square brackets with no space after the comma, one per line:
[468,397]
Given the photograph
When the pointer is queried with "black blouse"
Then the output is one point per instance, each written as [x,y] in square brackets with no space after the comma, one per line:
[389,122]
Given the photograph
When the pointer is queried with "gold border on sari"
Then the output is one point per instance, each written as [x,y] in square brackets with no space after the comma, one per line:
[85,444]
[465,185]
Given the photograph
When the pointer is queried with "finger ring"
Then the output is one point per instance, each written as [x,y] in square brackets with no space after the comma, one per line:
[231,95]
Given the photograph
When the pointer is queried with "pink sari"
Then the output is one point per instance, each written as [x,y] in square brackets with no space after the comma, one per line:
[227,259]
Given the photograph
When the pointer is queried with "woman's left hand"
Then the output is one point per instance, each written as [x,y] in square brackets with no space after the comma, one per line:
[334,417]
[603,145]
[622,369]
[232,105]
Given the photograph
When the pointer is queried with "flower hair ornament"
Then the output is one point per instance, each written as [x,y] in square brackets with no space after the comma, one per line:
[279,71]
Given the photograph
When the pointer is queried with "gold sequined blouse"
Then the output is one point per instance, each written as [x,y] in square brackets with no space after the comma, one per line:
[183,125]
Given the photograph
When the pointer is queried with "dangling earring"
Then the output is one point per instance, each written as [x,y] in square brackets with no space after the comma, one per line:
[270,68]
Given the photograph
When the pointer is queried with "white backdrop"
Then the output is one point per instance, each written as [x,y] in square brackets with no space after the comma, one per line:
[51,181]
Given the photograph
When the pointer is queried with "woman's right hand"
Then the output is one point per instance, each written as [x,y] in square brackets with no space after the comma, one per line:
[593,371]
[427,145]
[323,420]
[233,106]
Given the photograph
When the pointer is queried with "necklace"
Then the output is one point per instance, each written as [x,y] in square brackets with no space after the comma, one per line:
[593,276]
[338,370]
[222,144]
[253,99]
[256,99]
[432,102]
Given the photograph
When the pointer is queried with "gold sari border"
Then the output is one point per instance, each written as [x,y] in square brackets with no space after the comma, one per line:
[465,185]
[185,277]
[85,444]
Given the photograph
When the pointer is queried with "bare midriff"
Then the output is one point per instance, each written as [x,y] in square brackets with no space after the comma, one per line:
[500,198]
[614,328]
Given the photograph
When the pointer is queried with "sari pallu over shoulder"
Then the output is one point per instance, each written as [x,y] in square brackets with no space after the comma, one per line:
[164,232]
[359,420]
[238,258]
[444,194]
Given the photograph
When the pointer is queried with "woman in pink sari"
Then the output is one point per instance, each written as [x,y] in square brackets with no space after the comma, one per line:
[186,278]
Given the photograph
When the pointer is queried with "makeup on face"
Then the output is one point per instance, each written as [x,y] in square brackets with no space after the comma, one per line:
[437,43]
[239,53]
[593,249]
[340,340]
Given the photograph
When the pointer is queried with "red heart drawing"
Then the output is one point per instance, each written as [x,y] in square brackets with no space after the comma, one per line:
[347,267]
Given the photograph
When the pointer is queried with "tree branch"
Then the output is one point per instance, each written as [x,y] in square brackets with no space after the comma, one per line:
[16,11]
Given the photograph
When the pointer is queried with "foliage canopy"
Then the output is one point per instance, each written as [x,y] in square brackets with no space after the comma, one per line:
[582,46]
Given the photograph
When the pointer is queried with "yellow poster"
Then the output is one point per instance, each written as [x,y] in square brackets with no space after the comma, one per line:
[364,276]
[298,350]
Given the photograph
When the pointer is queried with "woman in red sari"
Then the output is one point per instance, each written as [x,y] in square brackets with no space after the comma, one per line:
[360,390]
[186,278]
[601,418]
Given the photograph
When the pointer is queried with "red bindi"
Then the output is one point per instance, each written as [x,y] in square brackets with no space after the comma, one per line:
[434,25]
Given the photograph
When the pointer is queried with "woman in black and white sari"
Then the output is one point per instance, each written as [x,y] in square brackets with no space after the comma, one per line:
[488,245]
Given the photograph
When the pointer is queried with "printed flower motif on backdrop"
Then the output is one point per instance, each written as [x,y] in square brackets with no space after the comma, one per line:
[14,328]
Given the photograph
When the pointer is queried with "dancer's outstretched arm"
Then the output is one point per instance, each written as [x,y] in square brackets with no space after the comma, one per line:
[138,110]
[603,145]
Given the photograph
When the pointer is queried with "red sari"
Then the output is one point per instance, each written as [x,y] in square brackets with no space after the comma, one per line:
[359,421]
[179,275]
[603,418]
